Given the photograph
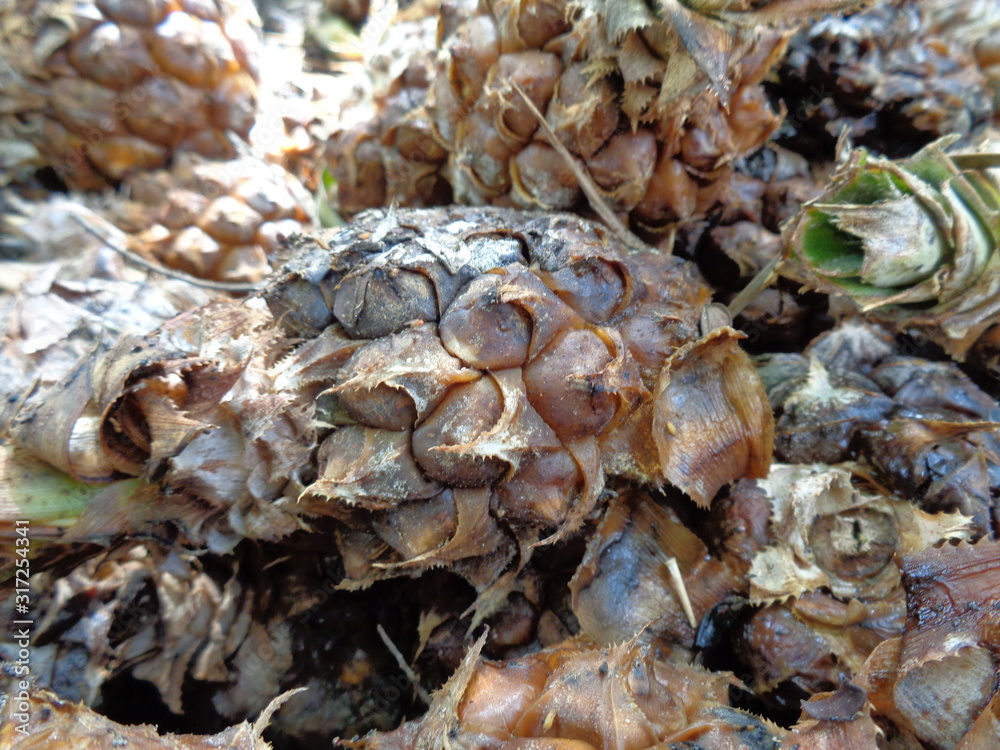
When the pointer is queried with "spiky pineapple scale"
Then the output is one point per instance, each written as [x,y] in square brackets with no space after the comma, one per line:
[654,124]
[105,89]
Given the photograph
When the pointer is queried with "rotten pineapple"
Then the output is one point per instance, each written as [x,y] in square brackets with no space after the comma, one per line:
[452,385]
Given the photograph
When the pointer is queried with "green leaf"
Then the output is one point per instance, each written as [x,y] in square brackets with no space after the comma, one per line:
[327,216]
[32,490]
[829,250]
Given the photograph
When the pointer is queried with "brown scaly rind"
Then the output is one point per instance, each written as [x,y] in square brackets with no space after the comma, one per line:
[887,76]
[104,89]
[219,220]
[972,25]
[455,126]
[53,724]
[456,442]
[235,630]
[216,220]
[453,385]
[575,696]
[922,428]
[936,683]
[578,696]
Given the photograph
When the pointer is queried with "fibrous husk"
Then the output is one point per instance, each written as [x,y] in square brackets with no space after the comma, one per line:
[220,220]
[822,564]
[73,296]
[102,90]
[139,606]
[835,536]
[51,723]
[72,301]
[155,405]
[654,105]
[211,635]
[892,76]
[710,422]
[973,25]
[985,732]
[835,720]
[923,429]
[812,644]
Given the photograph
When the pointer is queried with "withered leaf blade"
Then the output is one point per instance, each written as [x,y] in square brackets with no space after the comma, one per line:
[32,490]
[712,422]
[708,42]
[62,725]
[56,428]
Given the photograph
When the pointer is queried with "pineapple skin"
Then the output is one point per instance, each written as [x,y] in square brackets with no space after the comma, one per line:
[235,629]
[215,220]
[451,386]
[489,363]
[453,127]
[218,220]
[891,75]
[101,90]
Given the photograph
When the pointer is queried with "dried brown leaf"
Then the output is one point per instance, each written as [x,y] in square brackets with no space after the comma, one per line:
[711,421]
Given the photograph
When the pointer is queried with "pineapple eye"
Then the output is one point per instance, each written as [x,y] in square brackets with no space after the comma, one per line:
[856,544]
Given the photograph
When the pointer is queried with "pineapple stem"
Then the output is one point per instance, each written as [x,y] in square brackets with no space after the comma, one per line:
[755,286]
